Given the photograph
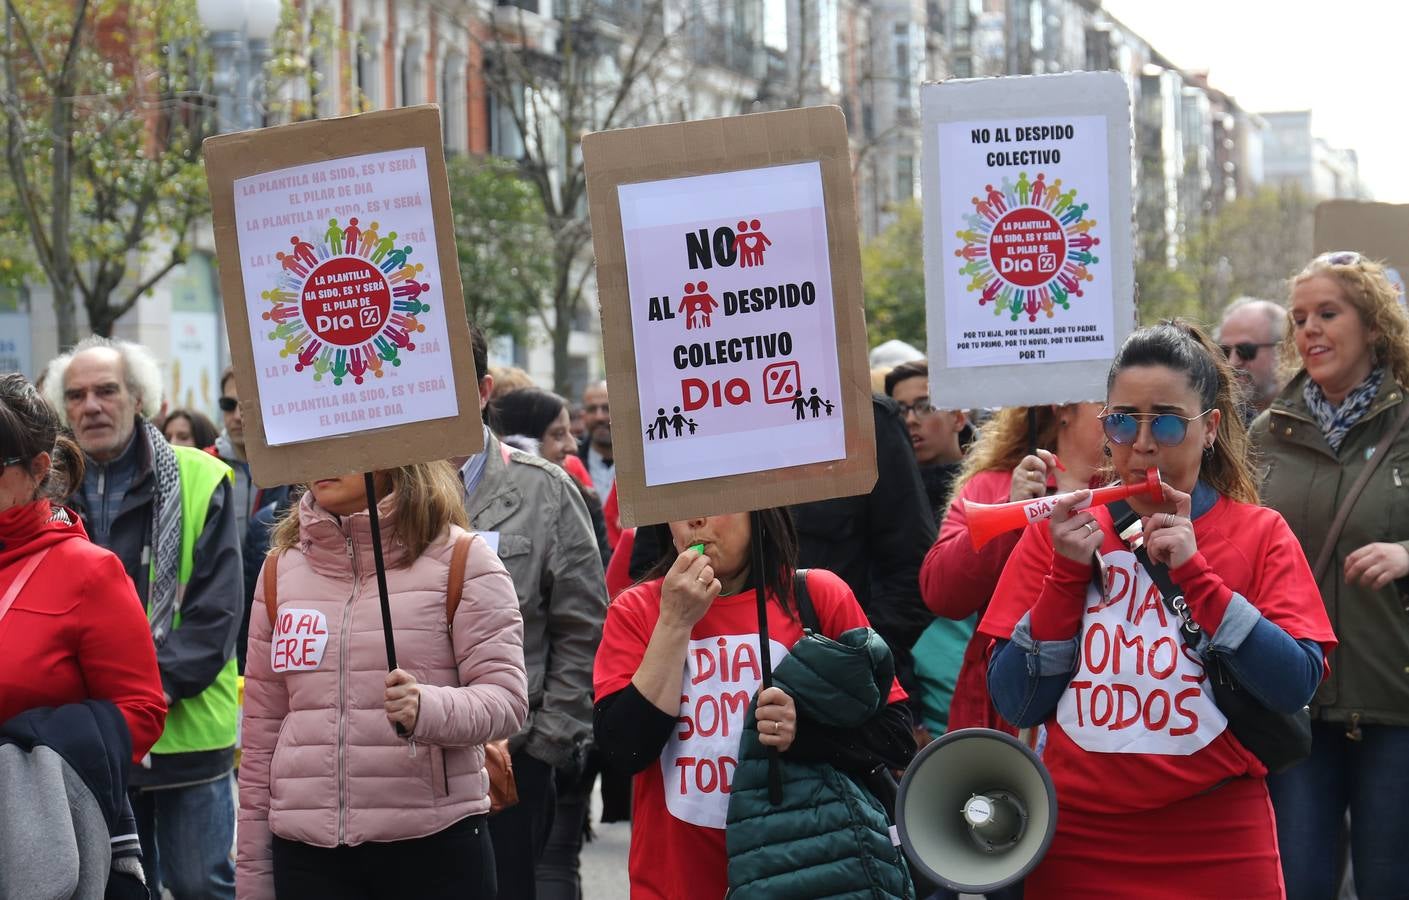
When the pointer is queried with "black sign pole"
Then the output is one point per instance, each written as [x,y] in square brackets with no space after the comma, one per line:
[775,774]
[381,579]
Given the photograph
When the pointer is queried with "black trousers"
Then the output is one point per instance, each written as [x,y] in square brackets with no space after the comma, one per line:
[454,864]
[521,831]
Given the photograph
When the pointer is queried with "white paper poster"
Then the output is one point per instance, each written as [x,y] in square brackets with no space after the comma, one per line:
[1025,283]
[347,317]
[1029,273]
[733,323]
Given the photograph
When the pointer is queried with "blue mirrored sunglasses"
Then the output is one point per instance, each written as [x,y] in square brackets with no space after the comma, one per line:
[1167,429]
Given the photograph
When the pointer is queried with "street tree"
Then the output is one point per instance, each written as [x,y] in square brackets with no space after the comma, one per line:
[893,276]
[1247,249]
[103,117]
[503,243]
[596,65]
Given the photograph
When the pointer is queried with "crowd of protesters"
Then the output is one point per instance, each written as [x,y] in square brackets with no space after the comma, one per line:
[538,639]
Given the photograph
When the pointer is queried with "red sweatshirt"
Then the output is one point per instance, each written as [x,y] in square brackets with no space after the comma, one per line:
[76,630]
[956,581]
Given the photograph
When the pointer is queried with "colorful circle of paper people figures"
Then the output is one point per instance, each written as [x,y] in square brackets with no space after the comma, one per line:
[1066,280]
[401,276]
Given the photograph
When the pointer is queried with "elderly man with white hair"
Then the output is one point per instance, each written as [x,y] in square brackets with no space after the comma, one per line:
[168,514]
[1249,335]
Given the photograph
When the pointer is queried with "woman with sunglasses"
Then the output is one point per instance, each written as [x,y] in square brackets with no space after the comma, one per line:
[1156,796]
[1349,344]
[956,580]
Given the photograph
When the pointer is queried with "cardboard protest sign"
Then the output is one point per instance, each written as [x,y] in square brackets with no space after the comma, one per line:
[1378,230]
[729,277]
[1029,272]
[342,295]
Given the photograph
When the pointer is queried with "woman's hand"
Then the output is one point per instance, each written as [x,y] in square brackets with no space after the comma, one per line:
[1169,537]
[1030,476]
[777,718]
[402,699]
[1075,532]
[1376,565]
[688,590]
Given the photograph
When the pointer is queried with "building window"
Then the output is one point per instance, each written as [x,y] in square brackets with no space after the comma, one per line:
[904,178]
[412,75]
[901,41]
[829,46]
[368,72]
[453,103]
[504,136]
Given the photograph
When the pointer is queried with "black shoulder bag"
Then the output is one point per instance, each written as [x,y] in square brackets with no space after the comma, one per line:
[1280,740]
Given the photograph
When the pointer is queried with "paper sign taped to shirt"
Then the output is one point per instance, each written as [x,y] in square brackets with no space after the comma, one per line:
[300,637]
[722,674]
[1138,688]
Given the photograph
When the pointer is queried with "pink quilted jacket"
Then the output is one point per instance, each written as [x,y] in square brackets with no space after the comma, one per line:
[322,765]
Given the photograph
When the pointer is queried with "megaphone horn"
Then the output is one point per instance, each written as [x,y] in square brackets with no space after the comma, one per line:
[976,811]
[988,520]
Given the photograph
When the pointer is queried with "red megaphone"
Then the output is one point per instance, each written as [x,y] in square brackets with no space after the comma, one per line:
[988,520]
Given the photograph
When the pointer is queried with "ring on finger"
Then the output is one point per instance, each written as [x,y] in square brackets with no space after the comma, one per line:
[1090,528]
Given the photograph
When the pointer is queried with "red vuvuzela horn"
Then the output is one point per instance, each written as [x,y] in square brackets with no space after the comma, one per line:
[988,520]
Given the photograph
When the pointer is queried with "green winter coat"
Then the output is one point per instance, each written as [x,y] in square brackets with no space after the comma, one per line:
[1305,481]
[830,836]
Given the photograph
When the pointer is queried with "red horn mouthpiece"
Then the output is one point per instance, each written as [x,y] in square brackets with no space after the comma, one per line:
[988,520]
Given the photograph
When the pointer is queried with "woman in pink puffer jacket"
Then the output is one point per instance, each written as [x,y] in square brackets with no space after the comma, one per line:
[333,803]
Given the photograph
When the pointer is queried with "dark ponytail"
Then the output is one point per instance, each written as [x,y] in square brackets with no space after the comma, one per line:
[28,427]
[1184,347]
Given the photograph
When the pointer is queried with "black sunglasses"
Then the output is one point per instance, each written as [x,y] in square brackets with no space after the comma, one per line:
[228,404]
[1247,350]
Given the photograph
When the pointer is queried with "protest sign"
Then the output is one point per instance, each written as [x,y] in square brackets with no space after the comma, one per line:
[1378,230]
[728,272]
[342,295]
[1029,272]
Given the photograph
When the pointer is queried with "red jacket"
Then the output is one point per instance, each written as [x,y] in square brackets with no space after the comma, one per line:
[76,630]
[957,581]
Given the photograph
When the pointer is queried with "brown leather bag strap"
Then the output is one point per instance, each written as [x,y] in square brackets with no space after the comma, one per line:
[271,587]
[1328,549]
[457,577]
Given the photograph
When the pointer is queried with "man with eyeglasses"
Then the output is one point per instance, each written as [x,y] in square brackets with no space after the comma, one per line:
[256,508]
[167,513]
[1249,335]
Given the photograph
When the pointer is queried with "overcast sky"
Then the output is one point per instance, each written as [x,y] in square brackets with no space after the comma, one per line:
[1347,61]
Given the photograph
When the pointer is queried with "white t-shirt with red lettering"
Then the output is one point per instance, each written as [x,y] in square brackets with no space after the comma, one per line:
[679,804]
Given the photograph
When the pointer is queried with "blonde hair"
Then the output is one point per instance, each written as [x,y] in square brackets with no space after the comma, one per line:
[427,498]
[1367,288]
[1005,439]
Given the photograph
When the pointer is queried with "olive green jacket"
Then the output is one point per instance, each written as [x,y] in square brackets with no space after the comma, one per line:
[1305,481]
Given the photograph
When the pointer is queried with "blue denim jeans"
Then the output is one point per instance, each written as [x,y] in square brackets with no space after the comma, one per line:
[186,835]
[1368,777]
